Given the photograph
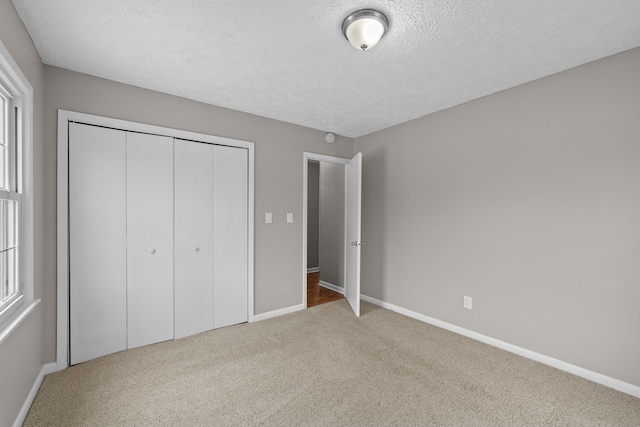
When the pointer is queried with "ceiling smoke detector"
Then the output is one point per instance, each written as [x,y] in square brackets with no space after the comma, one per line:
[330,138]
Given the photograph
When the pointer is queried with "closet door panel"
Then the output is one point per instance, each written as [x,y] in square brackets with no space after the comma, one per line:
[97,242]
[149,239]
[230,184]
[193,238]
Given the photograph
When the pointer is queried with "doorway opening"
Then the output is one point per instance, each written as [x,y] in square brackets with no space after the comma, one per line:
[331,229]
[325,232]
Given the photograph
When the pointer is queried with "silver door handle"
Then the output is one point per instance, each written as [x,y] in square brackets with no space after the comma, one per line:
[357,243]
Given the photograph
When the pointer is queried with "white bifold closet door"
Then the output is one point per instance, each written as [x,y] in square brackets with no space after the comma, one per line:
[193,238]
[230,273]
[97,242]
[158,238]
[211,275]
[149,239]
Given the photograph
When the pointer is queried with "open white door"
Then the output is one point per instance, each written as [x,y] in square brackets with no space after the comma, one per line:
[353,202]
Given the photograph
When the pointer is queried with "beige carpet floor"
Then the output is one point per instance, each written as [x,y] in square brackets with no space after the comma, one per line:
[325,367]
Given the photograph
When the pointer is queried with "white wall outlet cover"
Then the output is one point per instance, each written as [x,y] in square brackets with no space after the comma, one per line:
[289,218]
[268,218]
[467,302]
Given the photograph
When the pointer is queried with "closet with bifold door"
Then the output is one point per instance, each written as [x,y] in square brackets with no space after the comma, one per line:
[158,239]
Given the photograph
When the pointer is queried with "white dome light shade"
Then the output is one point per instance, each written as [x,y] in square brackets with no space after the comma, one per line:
[365,28]
[365,33]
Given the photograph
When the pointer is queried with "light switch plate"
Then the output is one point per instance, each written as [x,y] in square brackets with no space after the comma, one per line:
[289,217]
[268,218]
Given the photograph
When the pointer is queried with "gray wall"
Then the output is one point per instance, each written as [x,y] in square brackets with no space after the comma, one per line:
[21,353]
[313,200]
[279,164]
[528,201]
[332,223]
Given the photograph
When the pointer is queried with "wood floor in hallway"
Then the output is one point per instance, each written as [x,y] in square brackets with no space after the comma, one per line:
[317,294]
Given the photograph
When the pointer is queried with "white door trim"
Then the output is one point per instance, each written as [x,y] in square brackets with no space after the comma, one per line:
[305,183]
[64,117]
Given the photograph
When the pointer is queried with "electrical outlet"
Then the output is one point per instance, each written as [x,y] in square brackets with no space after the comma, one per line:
[468,303]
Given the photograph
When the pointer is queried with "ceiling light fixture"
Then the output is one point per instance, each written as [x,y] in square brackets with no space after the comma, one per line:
[365,28]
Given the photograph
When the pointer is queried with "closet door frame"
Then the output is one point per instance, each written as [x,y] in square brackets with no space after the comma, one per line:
[64,118]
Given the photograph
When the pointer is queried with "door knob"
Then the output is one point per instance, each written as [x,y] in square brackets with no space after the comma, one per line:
[196,249]
[151,251]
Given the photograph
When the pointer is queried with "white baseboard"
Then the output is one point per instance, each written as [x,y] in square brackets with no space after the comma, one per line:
[46,369]
[622,386]
[331,286]
[313,269]
[280,312]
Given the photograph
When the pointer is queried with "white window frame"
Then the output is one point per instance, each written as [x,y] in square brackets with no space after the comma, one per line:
[21,91]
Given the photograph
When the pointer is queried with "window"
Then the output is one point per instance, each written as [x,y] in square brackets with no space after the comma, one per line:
[15,134]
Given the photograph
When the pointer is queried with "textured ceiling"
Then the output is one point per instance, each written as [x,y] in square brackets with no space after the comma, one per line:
[288,60]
